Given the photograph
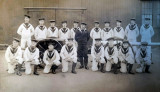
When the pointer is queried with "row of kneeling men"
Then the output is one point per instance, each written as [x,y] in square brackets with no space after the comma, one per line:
[111,55]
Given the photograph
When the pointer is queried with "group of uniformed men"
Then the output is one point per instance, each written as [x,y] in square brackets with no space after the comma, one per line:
[110,46]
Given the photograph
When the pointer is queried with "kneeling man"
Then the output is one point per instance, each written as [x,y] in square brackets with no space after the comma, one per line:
[13,57]
[143,58]
[51,58]
[69,54]
[126,57]
[97,53]
[31,57]
[111,54]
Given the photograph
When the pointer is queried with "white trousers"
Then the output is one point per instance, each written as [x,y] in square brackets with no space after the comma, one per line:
[25,42]
[123,68]
[95,63]
[65,64]
[28,66]
[48,66]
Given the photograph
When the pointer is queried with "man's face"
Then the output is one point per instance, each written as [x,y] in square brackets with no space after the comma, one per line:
[50,47]
[125,45]
[64,24]
[118,24]
[111,43]
[143,47]
[69,43]
[132,22]
[33,44]
[53,24]
[98,43]
[15,43]
[75,25]
[41,22]
[96,25]
[83,26]
[147,21]
[106,24]
[26,19]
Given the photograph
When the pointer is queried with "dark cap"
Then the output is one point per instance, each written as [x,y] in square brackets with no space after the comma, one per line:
[133,19]
[70,39]
[125,41]
[51,43]
[51,21]
[76,22]
[64,22]
[111,38]
[34,40]
[16,39]
[107,22]
[98,39]
[27,16]
[144,43]
[83,23]
[96,22]
[147,19]
[119,21]
[41,19]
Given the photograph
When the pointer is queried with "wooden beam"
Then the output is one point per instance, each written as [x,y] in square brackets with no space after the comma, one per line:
[54,8]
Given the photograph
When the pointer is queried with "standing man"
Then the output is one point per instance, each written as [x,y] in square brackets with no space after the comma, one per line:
[51,58]
[107,31]
[97,53]
[82,37]
[147,32]
[96,32]
[13,57]
[41,30]
[74,30]
[69,54]
[31,57]
[64,32]
[52,30]
[119,33]
[26,31]
[132,32]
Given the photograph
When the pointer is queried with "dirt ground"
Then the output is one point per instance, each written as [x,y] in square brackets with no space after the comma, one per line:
[84,81]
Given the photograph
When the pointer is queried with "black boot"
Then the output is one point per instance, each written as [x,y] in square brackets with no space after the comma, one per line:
[35,70]
[115,69]
[98,66]
[54,67]
[130,68]
[81,62]
[73,68]
[18,70]
[86,63]
[147,69]
[102,66]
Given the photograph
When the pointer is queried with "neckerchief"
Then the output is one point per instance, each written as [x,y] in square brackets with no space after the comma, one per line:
[118,29]
[107,29]
[97,49]
[124,50]
[96,29]
[110,50]
[32,50]
[53,29]
[26,25]
[143,53]
[64,30]
[13,50]
[50,54]
[41,27]
[132,27]
[146,26]
[69,48]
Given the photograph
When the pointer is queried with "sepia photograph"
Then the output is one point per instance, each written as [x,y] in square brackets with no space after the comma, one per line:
[79,45]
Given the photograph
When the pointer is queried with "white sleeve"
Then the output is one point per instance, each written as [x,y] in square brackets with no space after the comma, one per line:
[92,52]
[62,52]
[137,32]
[106,54]
[45,57]
[74,53]
[141,29]
[102,50]
[20,29]
[36,33]
[57,56]
[7,57]
[37,54]
[32,30]
[19,57]
[152,31]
